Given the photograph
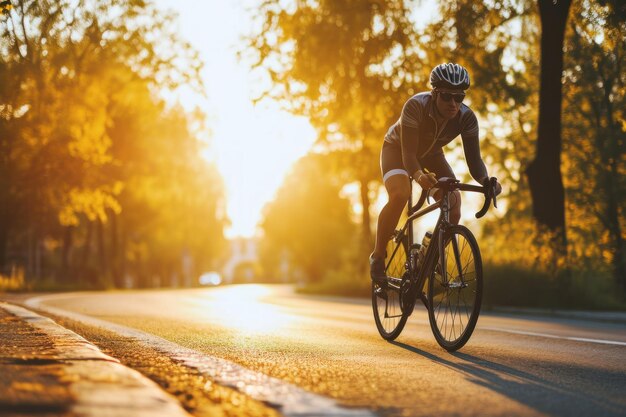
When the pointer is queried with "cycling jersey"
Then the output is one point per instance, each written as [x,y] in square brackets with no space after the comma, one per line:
[419,135]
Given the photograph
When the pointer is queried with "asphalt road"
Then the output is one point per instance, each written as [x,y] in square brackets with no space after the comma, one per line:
[512,365]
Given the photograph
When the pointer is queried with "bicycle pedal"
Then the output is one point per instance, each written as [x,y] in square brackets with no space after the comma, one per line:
[381,293]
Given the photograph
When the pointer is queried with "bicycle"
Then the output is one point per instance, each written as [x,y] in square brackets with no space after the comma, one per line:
[450,261]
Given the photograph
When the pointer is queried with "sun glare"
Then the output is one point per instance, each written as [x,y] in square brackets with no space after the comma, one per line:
[253,146]
[254,157]
[242,308]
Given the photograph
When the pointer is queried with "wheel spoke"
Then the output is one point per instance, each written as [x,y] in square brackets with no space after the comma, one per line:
[386,304]
[454,295]
[461,316]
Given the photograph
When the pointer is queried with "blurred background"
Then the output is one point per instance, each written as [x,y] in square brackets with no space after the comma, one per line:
[178,144]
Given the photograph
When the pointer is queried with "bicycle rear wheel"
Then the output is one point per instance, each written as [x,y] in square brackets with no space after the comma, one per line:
[454,300]
[386,303]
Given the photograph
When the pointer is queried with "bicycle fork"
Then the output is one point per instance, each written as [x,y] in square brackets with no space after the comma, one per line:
[455,249]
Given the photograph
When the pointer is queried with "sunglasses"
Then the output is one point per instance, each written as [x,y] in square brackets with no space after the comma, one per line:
[458,97]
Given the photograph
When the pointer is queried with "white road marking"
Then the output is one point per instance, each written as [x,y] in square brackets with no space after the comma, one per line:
[551,336]
[291,400]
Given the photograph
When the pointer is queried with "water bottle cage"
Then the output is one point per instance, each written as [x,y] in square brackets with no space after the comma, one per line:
[414,257]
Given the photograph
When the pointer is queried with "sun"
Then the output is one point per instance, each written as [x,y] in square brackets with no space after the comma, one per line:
[254,158]
[253,146]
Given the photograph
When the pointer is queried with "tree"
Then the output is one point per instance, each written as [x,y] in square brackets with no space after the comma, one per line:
[308,222]
[348,66]
[544,172]
[499,47]
[595,98]
[80,83]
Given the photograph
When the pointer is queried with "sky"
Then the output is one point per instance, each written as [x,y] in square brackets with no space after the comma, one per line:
[252,146]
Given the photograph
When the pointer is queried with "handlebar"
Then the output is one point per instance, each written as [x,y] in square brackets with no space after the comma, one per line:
[488,189]
[490,195]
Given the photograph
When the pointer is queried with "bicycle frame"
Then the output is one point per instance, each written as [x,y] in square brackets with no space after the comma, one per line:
[414,212]
[416,272]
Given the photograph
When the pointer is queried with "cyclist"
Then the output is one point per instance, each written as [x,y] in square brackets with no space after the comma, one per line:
[413,149]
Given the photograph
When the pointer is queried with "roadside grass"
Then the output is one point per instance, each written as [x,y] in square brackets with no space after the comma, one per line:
[340,285]
[505,285]
[512,285]
[14,281]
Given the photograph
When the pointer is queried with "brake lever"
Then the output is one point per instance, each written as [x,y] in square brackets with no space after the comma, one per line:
[494,182]
[489,194]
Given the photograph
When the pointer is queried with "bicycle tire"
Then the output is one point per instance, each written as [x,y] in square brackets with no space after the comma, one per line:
[386,304]
[452,323]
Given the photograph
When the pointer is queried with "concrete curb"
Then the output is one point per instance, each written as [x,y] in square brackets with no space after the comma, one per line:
[100,384]
[290,400]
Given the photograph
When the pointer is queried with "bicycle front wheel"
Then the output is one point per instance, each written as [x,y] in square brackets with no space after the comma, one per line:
[454,298]
[387,303]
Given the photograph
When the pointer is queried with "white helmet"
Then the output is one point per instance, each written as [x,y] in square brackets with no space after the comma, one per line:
[450,76]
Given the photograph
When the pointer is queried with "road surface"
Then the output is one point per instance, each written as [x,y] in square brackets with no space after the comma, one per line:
[512,365]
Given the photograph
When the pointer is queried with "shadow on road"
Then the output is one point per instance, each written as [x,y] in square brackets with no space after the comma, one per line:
[562,396]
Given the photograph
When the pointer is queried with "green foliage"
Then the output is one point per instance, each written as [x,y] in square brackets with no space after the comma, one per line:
[5,7]
[13,281]
[340,283]
[348,66]
[517,285]
[308,224]
[499,46]
[595,125]
[332,61]
[99,180]
[496,42]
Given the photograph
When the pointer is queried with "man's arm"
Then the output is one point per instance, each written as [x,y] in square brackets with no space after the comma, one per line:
[409,137]
[474,160]
[471,147]
[409,150]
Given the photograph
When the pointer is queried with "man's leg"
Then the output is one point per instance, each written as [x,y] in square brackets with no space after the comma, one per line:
[398,190]
[437,163]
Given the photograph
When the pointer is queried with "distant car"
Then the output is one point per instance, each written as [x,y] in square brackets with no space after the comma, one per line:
[210,278]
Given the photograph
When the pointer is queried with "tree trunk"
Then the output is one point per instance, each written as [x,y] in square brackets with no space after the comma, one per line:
[87,247]
[30,255]
[66,275]
[102,261]
[114,253]
[608,193]
[38,258]
[614,199]
[365,202]
[544,172]
[617,246]
[122,259]
[4,237]
[5,201]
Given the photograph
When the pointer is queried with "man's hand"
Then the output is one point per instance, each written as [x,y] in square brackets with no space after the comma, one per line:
[425,180]
[485,182]
[498,188]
